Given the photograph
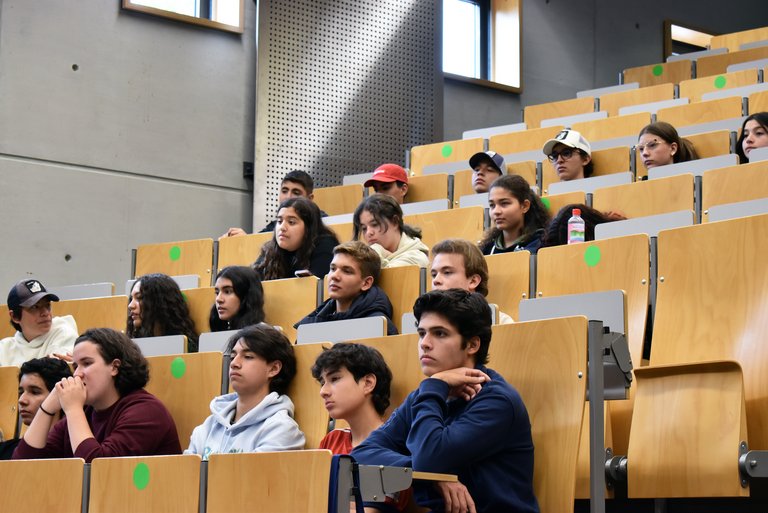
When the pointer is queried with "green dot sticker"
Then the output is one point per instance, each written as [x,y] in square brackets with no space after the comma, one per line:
[178,367]
[446,150]
[592,256]
[657,70]
[720,82]
[141,476]
[175,253]
[546,203]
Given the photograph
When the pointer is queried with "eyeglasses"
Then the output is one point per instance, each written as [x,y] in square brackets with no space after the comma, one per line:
[650,145]
[566,154]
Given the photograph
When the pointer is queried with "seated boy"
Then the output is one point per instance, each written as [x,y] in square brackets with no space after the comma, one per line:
[390,179]
[352,289]
[258,416]
[459,264]
[486,166]
[464,419]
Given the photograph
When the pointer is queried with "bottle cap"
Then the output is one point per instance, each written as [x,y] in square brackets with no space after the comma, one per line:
[576,212]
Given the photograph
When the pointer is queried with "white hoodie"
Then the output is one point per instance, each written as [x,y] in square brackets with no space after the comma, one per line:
[16,350]
[267,427]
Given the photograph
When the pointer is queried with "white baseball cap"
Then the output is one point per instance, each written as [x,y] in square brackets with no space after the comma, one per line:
[570,138]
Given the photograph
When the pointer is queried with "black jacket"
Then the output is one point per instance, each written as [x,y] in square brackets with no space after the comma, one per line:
[371,303]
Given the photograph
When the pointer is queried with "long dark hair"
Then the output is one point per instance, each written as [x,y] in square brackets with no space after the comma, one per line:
[164,310]
[383,208]
[535,219]
[248,289]
[668,133]
[557,231]
[762,120]
[274,262]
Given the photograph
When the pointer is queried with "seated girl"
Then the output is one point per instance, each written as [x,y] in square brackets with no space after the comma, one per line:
[239,299]
[37,378]
[157,308]
[379,219]
[570,154]
[754,134]
[108,412]
[258,416]
[659,144]
[518,217]
[301,243]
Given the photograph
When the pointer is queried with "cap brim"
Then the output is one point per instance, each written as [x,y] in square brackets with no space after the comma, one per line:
[37,297]
[479,158]
[382,179]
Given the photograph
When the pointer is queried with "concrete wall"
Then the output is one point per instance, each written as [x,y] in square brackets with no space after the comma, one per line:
[570,45]
[116,129]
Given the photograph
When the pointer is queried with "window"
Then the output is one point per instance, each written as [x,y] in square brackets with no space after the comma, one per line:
[481,42]
[680,39]
[220,14]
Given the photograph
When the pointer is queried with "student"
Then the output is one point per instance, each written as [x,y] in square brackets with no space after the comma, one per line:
[239,299]
[295,184]
[108,412]
[157,308]
[519,217]
[464,419]
[754,134]
[459,264]
[570,154]
[659,144]
[557,231]
[486,166]
[390,179]
[38,334]
[258,415]
[300,243]
[380,221]
[352,289]
[37,378]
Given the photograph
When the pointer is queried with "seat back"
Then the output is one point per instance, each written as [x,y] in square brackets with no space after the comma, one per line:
[710,144]
[733,184]
[309,412]
[83,291]
[534,114]
[186,384]
[546,361]
[663,73]
[701,112]
[427,187]
[444,152]
[612,102]
[9,401]
[338,331]
[283,482]
[554,202]
[509,280]
[200,302]
[693,89]
[242,250]
[146,483]
[611,128]
[288,301]
[27,485]
[714,64]
[734,40]
[606,162]
[341,199]
[98,312]
[402,286]
[176,258]
[647,198]
[465,223]
[158,346]
[758,102]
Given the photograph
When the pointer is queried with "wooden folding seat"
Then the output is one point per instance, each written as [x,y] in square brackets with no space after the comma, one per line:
[701,112]
[288,301]
[200,302]
[693,89]
[612,102]
[465,223]
[509,280]
[733,184]
[525,140]
[54,485]
[734,40]
[402,285]
[176,258]
[443,152]
[710,144]
[715,64]
[242,250]
[98,312]
[654,74]
[186,384]
[427,187]
[611,128]
[758,102]
[9,400]
[546,362]
[534,114]
[607,161]
[309,410]
[278,482]
[647,198]
[146,483]
[554,202]
[341,199]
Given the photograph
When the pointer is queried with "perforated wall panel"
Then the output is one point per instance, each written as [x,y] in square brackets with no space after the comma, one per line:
[342,86]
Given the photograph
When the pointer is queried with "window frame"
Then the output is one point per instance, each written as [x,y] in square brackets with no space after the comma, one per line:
[205,9]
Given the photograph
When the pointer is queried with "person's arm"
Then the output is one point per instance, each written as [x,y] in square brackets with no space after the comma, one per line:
[71,392]
[387,445]
[440,447]
[233,232]
[36,436]
[280,433]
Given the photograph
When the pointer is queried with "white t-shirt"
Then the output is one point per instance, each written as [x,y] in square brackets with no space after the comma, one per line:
[16,350]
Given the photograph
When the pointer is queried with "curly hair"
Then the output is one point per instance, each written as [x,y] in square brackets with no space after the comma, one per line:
[536,218]
[50,370]
[164,310]
[275,263]
[383,208]
[762,119]
[360,360]
[668,133]
[248,289]
[468,312]
[133,370]
[270,344]
[557,231]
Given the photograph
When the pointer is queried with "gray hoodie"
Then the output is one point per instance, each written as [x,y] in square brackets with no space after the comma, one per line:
[267,427]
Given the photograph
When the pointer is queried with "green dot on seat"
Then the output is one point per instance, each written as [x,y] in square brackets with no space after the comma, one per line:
[175,253]
[720,82]
[657,70]
[141,476]
[446,150]
[592,256]
[178,367]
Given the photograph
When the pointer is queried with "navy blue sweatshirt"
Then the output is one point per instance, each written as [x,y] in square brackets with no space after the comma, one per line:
[485,441]
[370,303]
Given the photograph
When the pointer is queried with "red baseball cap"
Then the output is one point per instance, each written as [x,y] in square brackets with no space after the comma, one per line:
[388,173]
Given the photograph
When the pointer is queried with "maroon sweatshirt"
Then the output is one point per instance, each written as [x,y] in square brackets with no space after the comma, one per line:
[138,424]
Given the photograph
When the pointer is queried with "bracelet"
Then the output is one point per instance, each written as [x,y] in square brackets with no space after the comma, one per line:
[46,412]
